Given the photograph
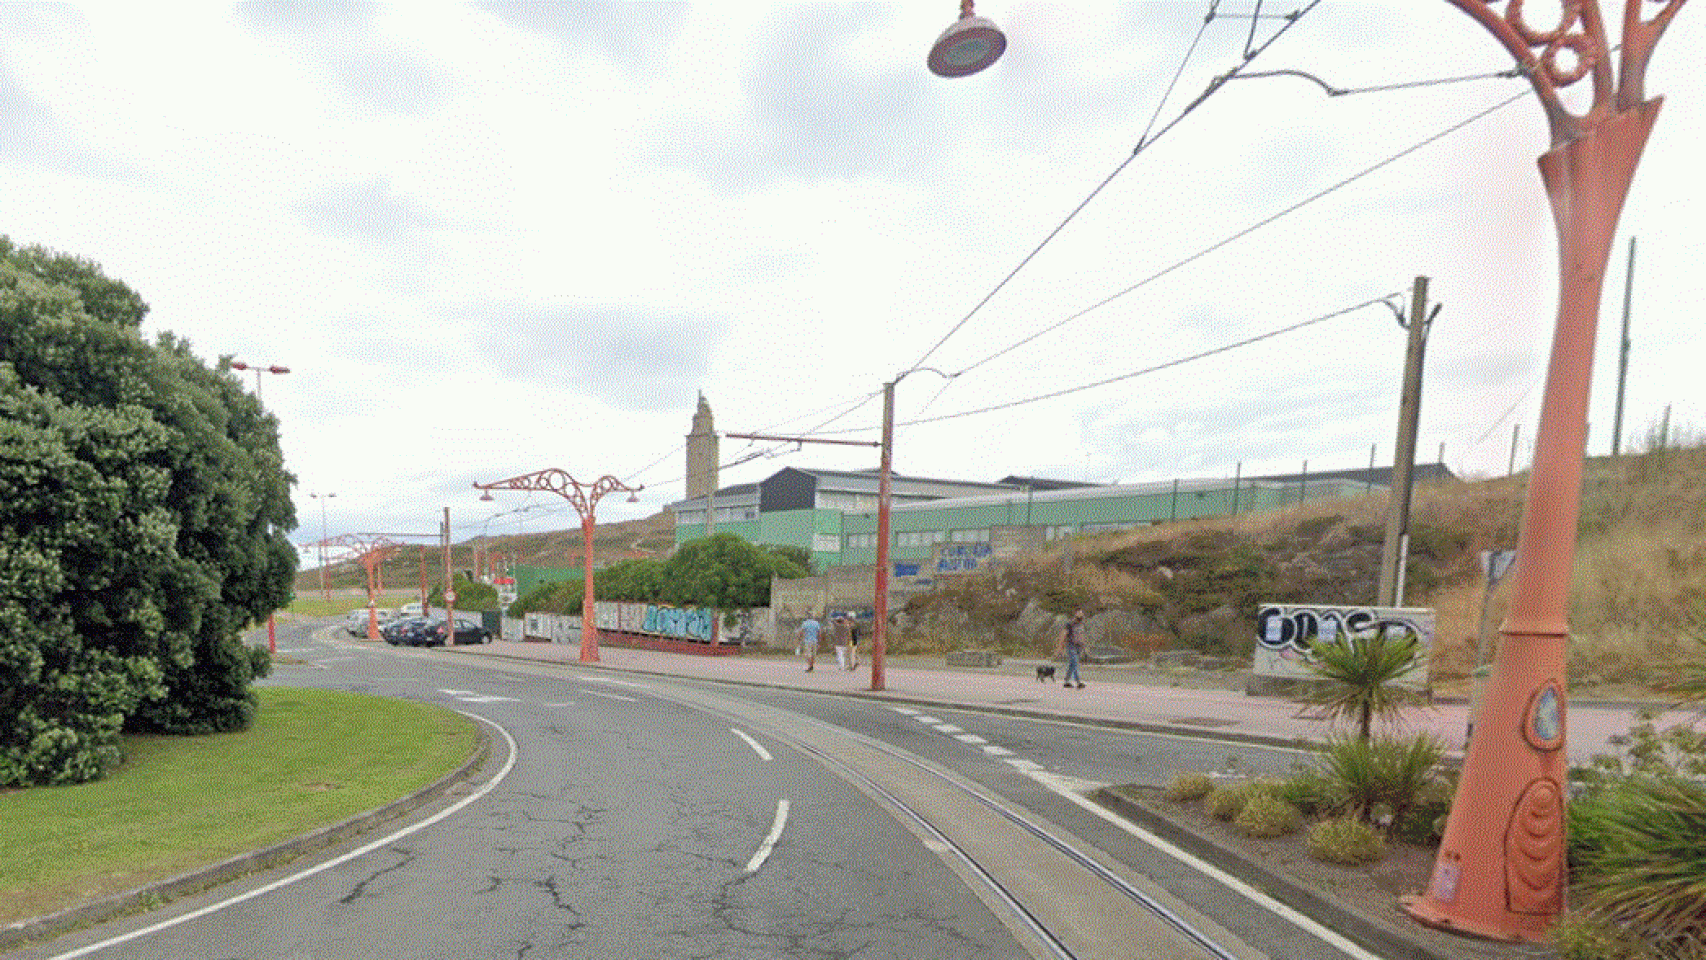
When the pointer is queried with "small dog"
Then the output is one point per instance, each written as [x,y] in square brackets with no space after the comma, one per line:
[1045,672]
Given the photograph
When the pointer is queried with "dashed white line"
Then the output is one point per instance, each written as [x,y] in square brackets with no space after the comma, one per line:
[611,696]
[929,720]
[948,728]
[757,747]
[613,680]
[970,738]
[907,711]
[996,751]
[769,843]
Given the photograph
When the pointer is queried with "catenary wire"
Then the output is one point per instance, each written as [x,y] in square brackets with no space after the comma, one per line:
[1219,81]
[1241,234]
[1179,361]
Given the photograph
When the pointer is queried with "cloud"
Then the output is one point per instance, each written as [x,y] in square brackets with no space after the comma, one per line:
[345,42]
[367,210]
[631,359]
[632,35]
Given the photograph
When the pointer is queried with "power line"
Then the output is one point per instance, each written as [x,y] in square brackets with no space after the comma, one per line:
[1146,370]
[1241,234]
[1143,144]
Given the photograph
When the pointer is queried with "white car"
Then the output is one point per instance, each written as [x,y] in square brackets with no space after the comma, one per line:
[356,620]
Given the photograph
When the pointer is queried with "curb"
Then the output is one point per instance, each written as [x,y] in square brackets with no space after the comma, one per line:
[1366,931]
[1221,736]
[18,934]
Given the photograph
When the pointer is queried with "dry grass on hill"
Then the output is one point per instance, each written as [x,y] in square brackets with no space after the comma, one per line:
[1638,599]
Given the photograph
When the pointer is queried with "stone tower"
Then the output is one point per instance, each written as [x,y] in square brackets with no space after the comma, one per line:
[702,454]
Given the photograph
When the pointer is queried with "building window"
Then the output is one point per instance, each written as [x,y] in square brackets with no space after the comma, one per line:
[969,536]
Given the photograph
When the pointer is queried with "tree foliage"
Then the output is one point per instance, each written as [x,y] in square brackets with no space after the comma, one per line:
[143,504]
[724,572]
[471,595]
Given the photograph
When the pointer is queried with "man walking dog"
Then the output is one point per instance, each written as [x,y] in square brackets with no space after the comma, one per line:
[1072,642]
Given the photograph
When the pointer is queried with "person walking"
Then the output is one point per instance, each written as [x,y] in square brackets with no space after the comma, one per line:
[808,631]
[843,638]
[852,641]
[1072,642]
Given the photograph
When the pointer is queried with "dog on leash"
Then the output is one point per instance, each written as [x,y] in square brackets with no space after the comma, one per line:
[1045,672]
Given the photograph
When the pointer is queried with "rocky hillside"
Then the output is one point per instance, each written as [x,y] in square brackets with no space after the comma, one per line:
[1639,595]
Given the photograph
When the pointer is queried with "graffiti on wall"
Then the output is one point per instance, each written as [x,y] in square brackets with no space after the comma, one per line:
[677,623]
[1285,631]
[960,557]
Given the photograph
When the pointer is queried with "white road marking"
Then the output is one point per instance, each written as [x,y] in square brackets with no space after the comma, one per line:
[996,751]
[620,683]
[565,703]
[318,868]
[948,728]
[1028,766]
[469,696]
[929,720]
[769,843]
[970,738]
[1273,906]
[908,711]
[757,747]
[611,696]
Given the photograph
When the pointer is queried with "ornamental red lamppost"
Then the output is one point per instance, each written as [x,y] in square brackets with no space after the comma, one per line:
[1500,872]
[258,370]
[584,498]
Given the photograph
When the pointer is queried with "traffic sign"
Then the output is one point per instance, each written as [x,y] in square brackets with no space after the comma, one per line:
[450,596]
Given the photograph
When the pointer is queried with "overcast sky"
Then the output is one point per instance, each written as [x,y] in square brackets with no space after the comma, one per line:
[488,239]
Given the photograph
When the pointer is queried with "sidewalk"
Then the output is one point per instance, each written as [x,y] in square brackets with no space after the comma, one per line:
[1113,695]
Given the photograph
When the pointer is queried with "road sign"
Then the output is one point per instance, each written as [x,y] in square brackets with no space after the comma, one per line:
[450,596]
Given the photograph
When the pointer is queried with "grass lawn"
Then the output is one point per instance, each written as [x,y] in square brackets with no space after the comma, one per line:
[312,605]
[312,758]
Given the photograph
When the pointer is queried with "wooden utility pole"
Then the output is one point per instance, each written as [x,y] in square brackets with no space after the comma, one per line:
[1395,549]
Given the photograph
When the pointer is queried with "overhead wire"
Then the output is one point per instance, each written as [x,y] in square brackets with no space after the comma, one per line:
[1252,228]
[1155,368]
[1143,144]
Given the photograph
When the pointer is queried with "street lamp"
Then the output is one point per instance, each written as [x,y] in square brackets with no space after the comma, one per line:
[1500,870]
[970,44]
[584,498]
[322,497]
[258,370]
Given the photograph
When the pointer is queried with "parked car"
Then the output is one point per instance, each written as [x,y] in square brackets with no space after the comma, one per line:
[404,631]
[356,620]
[468,630]
[410,610]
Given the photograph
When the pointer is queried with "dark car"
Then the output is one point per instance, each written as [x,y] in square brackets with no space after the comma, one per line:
[467,631]
[405,631]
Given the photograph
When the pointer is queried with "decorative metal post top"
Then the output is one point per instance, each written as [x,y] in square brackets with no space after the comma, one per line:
[1574,48]
[583,496]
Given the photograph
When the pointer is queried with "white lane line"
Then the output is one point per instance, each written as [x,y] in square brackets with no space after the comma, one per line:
[318,868]
[906,711]
[620,683]
[996,751]
[1029,766]
[948,728]
[610,696]
[769,843]
[1310,924]
[929,720]
[469,696]
[757,747]
[565,703]
[970,738]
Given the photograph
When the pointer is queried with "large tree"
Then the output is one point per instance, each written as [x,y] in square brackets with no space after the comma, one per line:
[143,510]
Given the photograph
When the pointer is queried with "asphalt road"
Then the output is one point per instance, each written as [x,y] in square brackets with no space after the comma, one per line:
[653,817]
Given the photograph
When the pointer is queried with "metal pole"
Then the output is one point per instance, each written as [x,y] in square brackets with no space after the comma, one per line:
[449,588]
[1237,482]
[589,631]
[880,602]
[1516,428]
[1623,353]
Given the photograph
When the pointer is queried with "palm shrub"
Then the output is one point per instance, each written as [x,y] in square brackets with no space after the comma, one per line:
[1389,771]
[1188,786]
[1313,793]
[1362,675]
[1650,875]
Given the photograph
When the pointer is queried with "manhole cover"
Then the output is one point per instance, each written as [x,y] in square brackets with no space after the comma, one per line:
[1204,721]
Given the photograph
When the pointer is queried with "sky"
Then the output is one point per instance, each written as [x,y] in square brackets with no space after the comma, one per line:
[489,239]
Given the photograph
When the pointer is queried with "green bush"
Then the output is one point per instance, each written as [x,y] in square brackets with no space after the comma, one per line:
[1582,937]
[1313,793]
[1185,787]
[1650,875]
[1424,823]
[1346,841]
[1382,771]
[1225,802]
[1265,815]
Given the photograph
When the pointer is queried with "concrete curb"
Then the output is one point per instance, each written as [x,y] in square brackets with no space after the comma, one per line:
[18,934]
[1366,931]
